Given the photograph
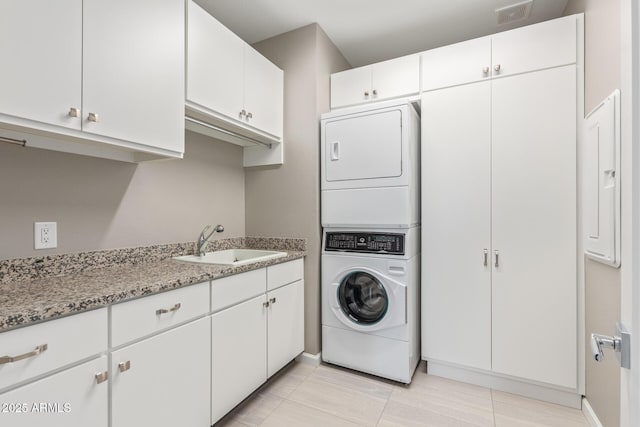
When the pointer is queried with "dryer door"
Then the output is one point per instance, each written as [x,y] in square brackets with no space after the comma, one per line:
[367,301]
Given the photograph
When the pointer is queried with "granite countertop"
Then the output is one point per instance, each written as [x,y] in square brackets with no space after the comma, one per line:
[28,296]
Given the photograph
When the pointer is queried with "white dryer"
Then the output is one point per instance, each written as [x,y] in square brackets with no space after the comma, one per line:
[370,301]
[369,166]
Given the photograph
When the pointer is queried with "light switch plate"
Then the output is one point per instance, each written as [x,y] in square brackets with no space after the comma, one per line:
[45,235]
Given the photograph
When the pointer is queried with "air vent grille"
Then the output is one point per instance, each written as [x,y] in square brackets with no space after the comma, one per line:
[513,13]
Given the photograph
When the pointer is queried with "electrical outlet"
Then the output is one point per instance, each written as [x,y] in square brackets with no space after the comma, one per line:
[45,235]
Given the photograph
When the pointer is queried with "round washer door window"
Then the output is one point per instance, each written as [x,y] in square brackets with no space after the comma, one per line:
[363,298]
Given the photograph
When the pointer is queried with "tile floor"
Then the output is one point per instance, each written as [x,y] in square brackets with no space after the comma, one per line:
[327,396]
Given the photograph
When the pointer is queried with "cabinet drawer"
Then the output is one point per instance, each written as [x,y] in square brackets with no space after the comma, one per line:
[281,274]
[67,340]
[232,290]
[136,319]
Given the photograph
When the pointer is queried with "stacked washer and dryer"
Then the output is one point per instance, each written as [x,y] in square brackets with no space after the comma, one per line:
[370,250]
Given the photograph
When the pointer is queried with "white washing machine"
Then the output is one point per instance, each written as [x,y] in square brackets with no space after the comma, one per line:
[370,301]
[369,167]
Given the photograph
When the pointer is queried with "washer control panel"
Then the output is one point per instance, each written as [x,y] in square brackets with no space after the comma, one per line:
[372,243]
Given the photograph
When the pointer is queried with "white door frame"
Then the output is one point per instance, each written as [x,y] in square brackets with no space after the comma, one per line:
[630,176]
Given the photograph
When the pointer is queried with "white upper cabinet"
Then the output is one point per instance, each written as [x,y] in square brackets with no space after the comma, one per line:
[535,47]
[233,92]
[40,44]
[384,80]
[133,72]
[457,64]
[97,78]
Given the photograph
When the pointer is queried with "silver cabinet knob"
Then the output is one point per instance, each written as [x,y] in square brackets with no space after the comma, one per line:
[366,93]
[272,300]
[265,304]
[485,70]
[93,117]
[249,116]
[375,92]
[74,112]
[496,68]
[102,377]
[124,366]
[242,114]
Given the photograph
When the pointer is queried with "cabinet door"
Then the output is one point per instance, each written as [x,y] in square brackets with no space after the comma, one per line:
[456,221]
[535,47]
[263,92]
[395,78]
[534,226]
[214,64]
[166,381]
[41,48]
[351,87]
[239,351]
[286,325]
[456,64]
[133,71]
[71,398]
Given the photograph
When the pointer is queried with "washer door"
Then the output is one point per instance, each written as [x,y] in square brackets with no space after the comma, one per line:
[363,298]
[366,300]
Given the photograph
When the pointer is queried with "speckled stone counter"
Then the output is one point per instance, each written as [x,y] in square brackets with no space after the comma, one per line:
[43,288]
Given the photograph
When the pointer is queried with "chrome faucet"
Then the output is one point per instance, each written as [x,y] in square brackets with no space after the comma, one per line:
[203,240]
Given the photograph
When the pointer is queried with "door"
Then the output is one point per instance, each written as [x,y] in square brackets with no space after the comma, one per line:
[285,321]
[41,50]
[133,71]
[365,147]
[215,58]
[456,225]
[71,398]
[263,92]
[534,226]
[163,381]
[239,352]
[351,87]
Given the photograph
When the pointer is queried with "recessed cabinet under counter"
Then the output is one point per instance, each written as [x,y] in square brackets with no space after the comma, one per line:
[233,94]
[75,85]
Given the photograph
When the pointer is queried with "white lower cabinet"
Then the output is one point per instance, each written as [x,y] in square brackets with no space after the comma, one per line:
[258,332]
[285,322]
[76,397]
[239,340]
[163,380]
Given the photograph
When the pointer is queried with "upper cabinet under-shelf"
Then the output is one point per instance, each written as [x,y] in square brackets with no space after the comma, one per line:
[73,84]
[233,92]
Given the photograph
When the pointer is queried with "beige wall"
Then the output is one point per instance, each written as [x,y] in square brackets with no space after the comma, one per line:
[105,204]
[285,200]
[602,295]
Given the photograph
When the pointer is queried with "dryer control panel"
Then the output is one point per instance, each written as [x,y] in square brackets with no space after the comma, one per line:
[372,243]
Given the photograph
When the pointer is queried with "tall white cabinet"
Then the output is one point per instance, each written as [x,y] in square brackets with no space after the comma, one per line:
[499,218]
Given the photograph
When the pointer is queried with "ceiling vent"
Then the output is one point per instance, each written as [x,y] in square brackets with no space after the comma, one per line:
[513,13]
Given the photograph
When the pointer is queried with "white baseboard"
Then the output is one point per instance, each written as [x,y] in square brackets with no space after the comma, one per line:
[507,384]
[590,414]
[309,359]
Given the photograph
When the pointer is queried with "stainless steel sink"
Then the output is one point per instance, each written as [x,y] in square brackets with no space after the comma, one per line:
[232,257]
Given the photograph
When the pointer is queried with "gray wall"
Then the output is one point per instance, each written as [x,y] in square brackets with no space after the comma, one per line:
[602,305]
[285,200]
[105,204]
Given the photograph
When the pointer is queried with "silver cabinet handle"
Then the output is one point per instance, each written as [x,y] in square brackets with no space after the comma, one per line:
[249,116]
[265,304]
[102,377]
[486,257]
[485,70]
[272,300]
[496,68]
[124,366]
[175,308]
[74,112]
[93,117]
[10,359]
[497,259]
